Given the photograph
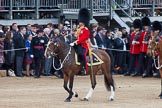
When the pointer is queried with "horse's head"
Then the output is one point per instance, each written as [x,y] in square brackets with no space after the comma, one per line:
[152,47]
[52,48]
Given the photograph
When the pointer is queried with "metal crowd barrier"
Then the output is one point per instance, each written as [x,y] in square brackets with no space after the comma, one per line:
[4,3]
[23,3]
[49,3]
[147,2]
[75,5]
[135,3]
[28,3]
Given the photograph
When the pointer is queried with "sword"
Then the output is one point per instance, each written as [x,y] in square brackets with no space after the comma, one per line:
[91,61]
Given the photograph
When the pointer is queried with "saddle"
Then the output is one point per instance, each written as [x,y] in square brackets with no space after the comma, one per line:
[95,60]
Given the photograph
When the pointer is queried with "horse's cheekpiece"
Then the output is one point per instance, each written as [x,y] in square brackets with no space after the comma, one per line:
[96,60]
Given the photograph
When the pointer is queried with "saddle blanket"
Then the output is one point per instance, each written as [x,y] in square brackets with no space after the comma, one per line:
[95,60]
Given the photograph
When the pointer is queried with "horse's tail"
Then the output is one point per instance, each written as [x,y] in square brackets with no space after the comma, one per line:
[109,82]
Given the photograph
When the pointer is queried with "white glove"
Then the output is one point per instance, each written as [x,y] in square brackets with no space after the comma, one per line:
[72,44]
[32,56]
[133,42]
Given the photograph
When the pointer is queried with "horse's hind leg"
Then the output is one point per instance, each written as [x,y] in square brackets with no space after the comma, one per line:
[160,70]
[109,82]
[161,90]
[90,92]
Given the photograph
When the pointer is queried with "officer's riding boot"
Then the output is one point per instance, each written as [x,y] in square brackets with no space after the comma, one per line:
[83,64]
[83,71]
[127,74]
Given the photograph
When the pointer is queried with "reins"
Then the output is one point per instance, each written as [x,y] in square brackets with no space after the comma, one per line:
[55,55]
[157,67]
[61,63]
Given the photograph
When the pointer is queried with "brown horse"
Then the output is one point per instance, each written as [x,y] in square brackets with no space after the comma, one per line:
[70,69]
[156,47]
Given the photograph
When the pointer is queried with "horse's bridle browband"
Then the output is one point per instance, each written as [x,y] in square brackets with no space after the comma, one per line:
[55,54]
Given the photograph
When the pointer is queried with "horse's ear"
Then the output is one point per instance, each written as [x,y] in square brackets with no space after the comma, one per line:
[55,42]
[157,40]
[53,38]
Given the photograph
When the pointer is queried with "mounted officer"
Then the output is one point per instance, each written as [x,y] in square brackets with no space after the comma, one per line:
[83,33]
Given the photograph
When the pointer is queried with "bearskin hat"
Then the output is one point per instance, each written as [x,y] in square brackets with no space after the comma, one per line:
[146,21]
[84,16]
[156,26]
[137,24]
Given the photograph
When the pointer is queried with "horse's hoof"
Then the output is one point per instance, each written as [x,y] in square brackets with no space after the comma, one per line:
[67,100]
[76,94]
[111,99]
[160,97]
[84,99]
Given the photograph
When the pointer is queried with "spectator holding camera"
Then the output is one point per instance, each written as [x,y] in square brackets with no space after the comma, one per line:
[65,37]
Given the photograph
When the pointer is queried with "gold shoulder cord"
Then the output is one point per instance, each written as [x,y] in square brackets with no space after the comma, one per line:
[78,32]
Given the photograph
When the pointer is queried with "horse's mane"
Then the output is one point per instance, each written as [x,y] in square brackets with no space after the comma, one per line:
[64,46]
[60,39]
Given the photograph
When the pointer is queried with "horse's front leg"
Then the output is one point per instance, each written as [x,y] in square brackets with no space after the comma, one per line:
[68,99]
[160,71]
[161,90]
[90,92]
[66,79]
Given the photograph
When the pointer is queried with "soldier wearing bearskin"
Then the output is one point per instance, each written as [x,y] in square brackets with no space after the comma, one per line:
[144,38]
[134,46]
[156,28]
[83,34]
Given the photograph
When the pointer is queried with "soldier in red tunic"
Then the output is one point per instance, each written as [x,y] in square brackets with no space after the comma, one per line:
[144,38]
[83,34]
[134,46]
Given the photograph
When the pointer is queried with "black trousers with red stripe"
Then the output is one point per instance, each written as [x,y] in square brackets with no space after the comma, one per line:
[38,62]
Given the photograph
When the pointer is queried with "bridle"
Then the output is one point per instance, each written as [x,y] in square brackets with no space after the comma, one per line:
[154,58]
[54,55]
[61,63]
[152,48]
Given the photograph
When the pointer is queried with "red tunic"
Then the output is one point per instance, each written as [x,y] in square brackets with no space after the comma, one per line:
[82,39]
[134,49]
[143,46]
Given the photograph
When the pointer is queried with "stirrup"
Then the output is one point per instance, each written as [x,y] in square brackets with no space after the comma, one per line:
[83,71]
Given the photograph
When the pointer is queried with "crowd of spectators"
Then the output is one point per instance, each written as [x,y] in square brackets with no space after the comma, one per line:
[115,42]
